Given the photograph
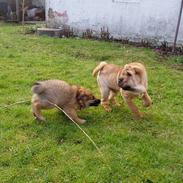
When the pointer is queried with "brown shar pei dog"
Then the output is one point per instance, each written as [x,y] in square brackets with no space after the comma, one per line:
[131,81]
[66,96]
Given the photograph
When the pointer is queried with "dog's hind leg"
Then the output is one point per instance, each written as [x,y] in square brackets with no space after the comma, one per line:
[112,98]
[104,90]
[105,98]
[36,109]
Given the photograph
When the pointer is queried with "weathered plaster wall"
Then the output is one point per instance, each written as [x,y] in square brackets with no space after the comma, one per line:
[39,3]
[134,19]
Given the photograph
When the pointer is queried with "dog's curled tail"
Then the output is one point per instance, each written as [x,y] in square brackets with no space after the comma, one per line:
[37,88]
[98,68]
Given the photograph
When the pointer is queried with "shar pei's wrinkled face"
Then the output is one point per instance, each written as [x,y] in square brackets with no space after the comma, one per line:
[130,79]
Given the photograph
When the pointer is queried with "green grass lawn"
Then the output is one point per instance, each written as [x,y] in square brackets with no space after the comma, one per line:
[149,150]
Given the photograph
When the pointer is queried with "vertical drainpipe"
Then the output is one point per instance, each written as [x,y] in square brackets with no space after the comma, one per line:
[178,25]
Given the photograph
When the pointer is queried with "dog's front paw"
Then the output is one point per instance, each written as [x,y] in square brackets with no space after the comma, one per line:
[138,116]
[108,109]
[40,119]
[81,121]
[147,103]
[117,104]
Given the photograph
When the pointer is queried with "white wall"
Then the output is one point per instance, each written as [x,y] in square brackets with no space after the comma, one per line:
[39,3]
[134,19]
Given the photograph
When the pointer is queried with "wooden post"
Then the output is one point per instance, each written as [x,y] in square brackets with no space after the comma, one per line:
[178,25]
[17,10]
[23,11]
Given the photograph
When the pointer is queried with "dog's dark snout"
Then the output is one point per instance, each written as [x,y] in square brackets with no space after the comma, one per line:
[127,88]
[95,102]
[98,101]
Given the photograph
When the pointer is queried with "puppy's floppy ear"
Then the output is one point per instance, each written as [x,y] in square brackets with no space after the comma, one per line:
[79,97]
[79,94]
[127,66]
[141,74]
[129,73]
[131,69]
[138,70]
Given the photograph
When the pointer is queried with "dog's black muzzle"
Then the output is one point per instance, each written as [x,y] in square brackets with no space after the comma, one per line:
[95,102]
[122,85]
[127,88]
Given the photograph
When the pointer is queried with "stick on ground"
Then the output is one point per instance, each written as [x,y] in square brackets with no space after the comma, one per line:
[25,101]
[10,105]
[95,145]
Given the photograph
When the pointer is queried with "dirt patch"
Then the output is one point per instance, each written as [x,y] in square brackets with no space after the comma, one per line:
[164,49]
[178,67]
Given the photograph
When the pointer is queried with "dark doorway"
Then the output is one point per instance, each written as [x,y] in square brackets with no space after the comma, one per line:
[13,10]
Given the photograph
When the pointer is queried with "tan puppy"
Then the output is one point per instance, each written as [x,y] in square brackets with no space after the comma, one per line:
[68,97]
[131,81]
